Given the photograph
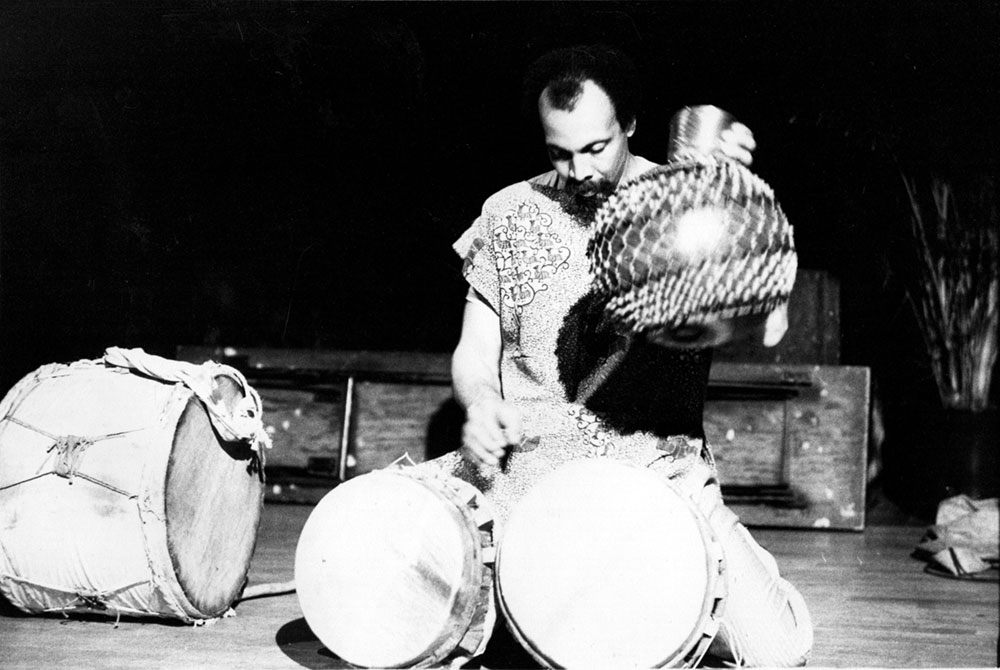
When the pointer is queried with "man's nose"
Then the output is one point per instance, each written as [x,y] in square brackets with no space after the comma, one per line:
[580,168]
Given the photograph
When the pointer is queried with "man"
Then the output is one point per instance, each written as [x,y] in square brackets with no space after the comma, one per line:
[542,379]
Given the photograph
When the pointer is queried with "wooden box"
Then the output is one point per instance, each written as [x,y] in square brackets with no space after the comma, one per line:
[394,405]
[790,440]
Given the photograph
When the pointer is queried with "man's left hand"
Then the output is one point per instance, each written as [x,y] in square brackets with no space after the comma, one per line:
[737,142]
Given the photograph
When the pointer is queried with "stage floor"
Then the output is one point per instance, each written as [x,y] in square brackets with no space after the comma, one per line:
[872,605]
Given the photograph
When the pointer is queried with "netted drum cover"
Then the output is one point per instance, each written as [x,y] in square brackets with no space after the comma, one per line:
[690,243]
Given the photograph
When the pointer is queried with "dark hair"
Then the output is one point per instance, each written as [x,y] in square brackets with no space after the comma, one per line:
[563,72]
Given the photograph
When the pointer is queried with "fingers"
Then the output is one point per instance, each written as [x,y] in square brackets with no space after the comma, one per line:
[737,142]
[489,429]
[478,454]
[510,419]
[742,135]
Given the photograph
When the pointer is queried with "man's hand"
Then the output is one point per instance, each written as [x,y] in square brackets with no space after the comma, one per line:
[492,425]
[737,142]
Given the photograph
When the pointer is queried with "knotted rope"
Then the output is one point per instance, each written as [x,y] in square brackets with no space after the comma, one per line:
[241,424]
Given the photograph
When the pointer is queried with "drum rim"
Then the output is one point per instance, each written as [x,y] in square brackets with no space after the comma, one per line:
[700,637]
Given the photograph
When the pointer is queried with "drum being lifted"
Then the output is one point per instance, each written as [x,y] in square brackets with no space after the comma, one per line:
[119,494]
[607,565]
[395,569]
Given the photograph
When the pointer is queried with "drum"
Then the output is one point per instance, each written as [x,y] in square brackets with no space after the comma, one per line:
[117,494]
[604,564]
[395,569]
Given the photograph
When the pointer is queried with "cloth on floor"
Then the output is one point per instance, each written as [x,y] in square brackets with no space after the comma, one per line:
[963,542]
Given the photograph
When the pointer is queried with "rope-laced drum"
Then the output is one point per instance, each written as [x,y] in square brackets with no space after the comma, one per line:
[395,569]
[607,565]
[696,245]
[130,485]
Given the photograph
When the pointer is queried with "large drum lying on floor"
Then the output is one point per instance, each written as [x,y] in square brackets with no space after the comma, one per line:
[607,565]
[117,494]
[394,569]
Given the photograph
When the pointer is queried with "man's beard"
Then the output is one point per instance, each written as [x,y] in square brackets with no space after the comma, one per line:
[584,198]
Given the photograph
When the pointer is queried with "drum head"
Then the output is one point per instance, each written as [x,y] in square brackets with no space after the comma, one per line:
[385,569]
[604,565]
[214,497]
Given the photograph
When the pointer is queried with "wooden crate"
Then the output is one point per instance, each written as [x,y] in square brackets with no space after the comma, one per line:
[393,404]
[790,440]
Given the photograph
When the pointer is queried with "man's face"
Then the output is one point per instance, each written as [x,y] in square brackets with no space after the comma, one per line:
[587,146]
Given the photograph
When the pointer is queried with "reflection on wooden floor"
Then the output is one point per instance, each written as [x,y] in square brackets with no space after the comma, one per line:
[872,604]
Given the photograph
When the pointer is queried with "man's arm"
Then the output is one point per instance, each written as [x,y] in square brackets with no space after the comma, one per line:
[491,423]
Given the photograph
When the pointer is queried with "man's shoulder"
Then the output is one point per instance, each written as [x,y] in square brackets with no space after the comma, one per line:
[507,193]
[549,179]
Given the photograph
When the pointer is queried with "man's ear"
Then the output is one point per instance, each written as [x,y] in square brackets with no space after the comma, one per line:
[630,129]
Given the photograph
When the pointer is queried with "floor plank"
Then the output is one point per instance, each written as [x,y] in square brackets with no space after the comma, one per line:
[872,605]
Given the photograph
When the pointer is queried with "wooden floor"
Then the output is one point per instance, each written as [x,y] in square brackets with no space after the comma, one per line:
[872,604]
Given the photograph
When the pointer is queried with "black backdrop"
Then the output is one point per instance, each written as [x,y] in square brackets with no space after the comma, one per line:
[292,174]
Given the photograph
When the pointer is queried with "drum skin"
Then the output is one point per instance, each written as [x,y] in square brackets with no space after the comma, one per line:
[117,497]
[603,564]
[394,569]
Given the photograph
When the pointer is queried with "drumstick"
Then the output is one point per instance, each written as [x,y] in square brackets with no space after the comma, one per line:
[267,589]
[526,444]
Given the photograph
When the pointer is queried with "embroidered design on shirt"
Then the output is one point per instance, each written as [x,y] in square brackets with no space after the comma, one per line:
[597,438]
[528,254]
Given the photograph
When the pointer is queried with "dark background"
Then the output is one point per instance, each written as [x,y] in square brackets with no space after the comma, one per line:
[293,174]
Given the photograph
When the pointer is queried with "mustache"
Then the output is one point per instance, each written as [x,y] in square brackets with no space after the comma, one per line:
[584,198]
[590,188]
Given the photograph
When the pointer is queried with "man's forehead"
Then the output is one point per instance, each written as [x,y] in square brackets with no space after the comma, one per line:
[590,119]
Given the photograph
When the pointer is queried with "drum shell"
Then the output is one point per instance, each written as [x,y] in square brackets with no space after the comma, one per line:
[542,606]
[399,535]
[156,516]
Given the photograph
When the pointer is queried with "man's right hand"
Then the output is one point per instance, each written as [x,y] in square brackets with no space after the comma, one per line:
[492,426]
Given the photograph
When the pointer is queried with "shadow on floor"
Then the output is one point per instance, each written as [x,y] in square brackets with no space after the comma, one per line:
[297,641]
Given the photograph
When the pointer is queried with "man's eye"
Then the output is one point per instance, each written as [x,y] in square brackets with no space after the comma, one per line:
[598,148]
[558,155]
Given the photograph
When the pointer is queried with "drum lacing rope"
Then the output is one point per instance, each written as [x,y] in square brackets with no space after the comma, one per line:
[69,449]
[404,461]
[89,600]
[733,642]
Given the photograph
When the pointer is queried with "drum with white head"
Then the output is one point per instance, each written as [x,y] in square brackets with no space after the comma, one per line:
[603,564]
[395,569]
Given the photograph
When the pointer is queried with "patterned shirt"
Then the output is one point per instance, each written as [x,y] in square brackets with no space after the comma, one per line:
[583,390]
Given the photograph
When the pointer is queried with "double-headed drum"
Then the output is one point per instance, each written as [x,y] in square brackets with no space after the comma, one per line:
[604,564]
[117,495]
[395,569]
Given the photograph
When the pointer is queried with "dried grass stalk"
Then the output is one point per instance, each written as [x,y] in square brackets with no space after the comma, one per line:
[955,287]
